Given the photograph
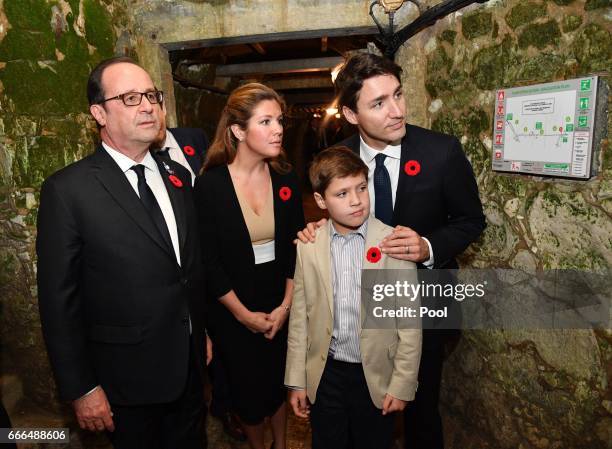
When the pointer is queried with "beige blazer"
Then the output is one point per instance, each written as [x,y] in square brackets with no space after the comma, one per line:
[390,357]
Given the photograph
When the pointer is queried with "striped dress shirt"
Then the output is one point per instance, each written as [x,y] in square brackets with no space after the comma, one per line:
[347,262]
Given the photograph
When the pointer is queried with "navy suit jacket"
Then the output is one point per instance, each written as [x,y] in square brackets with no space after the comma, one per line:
[194,143]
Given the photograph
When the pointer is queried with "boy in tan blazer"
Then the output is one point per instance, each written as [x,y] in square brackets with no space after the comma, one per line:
[349,380]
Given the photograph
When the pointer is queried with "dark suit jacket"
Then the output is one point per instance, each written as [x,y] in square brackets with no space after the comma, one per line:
[114,303]
[441,202]
[196,139]
[230,263]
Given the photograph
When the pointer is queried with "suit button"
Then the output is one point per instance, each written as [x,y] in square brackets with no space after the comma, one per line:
[184,281]
[323,357]
[328,331]
[185,320]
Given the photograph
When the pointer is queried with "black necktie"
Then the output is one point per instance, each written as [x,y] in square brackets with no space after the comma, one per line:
[383,199]
[151,204]
[164,154]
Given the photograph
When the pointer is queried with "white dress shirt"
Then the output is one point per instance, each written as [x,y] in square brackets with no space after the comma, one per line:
[392,164]
[157,186]
[176,154]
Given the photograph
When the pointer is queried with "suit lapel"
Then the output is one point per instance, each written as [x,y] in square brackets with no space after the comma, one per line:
[178,204]
[405,183]
[323,256]
[115,182]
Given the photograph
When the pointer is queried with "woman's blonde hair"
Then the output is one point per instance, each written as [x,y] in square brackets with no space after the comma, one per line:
[237,111]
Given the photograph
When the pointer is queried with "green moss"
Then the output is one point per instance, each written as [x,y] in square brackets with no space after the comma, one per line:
[448,124]
[495,32]
[571,23]
[596,4]
[540,35]
[490,65]
[593,48]
[438,67]
[563,2]
[20,44]
[439,60]
[476,121]
[544,67]
[73,47]
[478,24]
[28,14]
[524,13]
[45,156]
[98,27]
[448,36]
[477,154]
[509,185]
[58,88]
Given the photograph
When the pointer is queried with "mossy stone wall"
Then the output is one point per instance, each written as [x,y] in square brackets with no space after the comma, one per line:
[47,49]
[537,389]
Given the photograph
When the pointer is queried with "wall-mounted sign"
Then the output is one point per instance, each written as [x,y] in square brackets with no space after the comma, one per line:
[546,129]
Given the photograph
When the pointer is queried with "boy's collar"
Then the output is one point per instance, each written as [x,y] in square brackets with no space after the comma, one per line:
[361,230]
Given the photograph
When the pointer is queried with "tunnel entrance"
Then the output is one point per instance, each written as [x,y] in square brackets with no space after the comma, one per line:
[297,65]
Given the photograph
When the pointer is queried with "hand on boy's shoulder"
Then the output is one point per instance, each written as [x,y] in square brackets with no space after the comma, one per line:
[308,234]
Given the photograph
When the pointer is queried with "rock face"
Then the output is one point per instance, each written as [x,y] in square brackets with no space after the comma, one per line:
[538,388]
[46,52]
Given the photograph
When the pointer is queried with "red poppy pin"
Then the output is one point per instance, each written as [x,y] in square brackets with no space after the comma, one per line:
[412,168]
[176,181]
[189,150]
[284,193]
[373,255]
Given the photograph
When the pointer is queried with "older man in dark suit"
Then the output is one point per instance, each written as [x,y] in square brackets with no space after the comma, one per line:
[119,275]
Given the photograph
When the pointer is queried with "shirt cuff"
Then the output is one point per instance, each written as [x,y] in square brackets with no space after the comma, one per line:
[90,391]
[429,263]
[293,388]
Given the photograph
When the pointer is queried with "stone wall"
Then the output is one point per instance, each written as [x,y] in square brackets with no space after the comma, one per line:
[47,48]
[536,389]
[501,390]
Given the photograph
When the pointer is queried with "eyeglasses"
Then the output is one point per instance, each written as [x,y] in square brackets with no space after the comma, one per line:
[135,98]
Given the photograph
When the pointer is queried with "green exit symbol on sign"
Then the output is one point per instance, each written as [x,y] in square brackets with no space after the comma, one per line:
[585,85]
[584,103]
[582,121]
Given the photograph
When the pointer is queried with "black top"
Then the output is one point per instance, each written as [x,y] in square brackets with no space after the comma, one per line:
[226,243]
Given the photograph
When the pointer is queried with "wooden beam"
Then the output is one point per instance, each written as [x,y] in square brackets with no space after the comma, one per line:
[300,82]
[258,48]
[313,98]
[286,66]
[272,37]
[324,44]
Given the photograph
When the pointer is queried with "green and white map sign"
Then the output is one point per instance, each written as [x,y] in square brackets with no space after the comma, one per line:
[546,129]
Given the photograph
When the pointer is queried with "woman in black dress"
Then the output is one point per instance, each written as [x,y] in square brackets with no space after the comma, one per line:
[250,210]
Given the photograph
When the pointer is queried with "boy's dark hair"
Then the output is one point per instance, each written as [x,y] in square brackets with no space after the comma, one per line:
[355,71]
[95,92]
[336,162]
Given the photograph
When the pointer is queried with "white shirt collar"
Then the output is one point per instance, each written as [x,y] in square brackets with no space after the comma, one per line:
[125,163]
[361,230]
[392,151]
[170,141]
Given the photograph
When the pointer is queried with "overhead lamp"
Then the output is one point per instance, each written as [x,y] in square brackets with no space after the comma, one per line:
[331,110]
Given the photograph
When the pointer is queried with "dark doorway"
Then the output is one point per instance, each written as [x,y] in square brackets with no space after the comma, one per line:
[298,66]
